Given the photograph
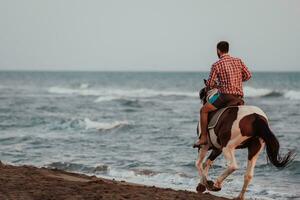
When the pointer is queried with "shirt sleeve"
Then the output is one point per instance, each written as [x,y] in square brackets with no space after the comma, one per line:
[211,82]
[246,74]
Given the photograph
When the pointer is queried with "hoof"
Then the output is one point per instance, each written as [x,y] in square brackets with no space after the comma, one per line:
[214,189]
[239,198]
[200,188]
[210,183]
[211,186]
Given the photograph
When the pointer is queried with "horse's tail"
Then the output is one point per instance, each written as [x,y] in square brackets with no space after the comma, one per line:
[272,145]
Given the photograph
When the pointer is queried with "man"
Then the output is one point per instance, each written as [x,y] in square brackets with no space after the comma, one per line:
[227,75]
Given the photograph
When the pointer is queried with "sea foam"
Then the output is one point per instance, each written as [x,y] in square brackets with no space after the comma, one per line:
[84,85]
[256,92]
[264,92]
[110,94]
[292,94]
[117,93]
[89,124]
[76,91]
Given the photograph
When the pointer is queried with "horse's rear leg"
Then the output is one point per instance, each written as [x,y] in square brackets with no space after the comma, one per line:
[228,153]
[254,150]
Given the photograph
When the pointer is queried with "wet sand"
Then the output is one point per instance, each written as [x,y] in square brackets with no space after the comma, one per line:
[28,182]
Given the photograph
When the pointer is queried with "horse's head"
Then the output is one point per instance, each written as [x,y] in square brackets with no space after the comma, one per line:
[203,93]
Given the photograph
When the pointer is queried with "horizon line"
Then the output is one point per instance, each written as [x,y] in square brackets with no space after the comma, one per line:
[133,71]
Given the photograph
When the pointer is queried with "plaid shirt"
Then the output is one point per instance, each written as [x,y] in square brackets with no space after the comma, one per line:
[228,73]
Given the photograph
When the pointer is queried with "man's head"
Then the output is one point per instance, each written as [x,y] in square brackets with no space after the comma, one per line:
[222,48]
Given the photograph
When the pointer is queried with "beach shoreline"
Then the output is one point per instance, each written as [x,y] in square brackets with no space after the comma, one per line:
[30,183]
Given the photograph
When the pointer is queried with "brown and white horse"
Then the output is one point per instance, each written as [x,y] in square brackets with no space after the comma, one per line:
[238,127]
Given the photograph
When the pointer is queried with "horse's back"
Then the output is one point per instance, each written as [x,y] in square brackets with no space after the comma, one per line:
[229,123]
[248,110]
[234,112]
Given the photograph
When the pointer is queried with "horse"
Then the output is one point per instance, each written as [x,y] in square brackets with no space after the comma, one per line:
[238,127]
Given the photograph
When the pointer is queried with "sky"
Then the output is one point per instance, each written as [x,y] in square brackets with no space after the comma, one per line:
[147,35]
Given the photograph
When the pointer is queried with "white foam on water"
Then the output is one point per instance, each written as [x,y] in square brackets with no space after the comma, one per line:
[89,124]
[261,92]
[70,91]
[165,180]
[109,94]
[180,181]
[256,92]
[106,98]
[144,93]
[292,94]
[117,93]
[84,85]
[60,90]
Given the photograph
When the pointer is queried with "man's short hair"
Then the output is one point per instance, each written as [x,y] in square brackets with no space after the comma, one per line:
[223,46]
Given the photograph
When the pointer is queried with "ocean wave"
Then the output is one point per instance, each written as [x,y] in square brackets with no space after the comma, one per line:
[84,85]
[256,92]
[76,91]
[160,179]
[292,94]
[106,98]
[86,123]
[128,102]
[144,172]
[140,176]
[110,93]
[175,180]
[102,126]
[264,92]
[76,167]
[68,166]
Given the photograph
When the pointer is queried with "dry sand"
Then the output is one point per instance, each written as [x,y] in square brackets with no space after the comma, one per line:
[28,182]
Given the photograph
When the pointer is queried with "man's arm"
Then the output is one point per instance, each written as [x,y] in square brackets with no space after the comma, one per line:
[211,82]
[245,72]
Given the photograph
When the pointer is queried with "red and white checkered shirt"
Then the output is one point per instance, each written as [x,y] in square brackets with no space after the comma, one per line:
[228,73]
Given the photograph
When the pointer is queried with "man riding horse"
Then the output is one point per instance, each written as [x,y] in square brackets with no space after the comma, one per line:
[234,126]
[227,75]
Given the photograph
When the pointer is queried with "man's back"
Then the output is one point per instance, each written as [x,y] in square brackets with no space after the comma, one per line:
[229,73]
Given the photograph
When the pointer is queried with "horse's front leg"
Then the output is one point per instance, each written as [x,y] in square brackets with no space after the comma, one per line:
[199,164]
[207,166]
[209,162]
[228,153]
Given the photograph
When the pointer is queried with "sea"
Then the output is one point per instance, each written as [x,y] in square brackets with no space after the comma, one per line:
[139,127]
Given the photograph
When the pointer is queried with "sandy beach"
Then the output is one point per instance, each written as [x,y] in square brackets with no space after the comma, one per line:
[29,182]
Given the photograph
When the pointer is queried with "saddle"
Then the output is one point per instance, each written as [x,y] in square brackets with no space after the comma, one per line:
[214,116]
